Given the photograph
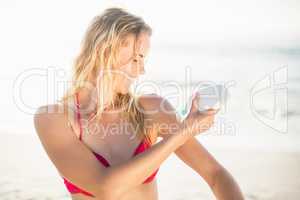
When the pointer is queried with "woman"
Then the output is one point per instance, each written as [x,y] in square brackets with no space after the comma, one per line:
[84,135]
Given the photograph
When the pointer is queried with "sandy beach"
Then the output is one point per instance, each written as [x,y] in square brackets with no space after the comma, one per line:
[27,173]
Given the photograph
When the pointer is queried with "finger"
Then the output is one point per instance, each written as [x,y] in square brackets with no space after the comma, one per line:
[195,102]
[210,111]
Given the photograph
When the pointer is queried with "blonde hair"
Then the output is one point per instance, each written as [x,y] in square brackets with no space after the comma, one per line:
[99,48]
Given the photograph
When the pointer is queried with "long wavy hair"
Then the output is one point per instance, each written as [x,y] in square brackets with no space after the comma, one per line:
[94,65]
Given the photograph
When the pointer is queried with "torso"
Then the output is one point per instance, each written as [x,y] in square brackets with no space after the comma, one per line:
[144,191]
[116,142]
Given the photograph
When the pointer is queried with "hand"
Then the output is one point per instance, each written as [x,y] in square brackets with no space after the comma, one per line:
[197,121]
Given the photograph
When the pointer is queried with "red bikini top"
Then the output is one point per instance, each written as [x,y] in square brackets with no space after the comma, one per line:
[141,147]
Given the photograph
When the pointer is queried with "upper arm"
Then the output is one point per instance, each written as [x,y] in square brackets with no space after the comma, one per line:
[192,152]
[72,158]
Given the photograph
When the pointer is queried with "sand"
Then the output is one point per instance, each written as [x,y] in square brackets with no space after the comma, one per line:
[27,173]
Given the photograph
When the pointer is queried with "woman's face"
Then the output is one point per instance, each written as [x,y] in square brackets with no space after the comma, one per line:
[130,61]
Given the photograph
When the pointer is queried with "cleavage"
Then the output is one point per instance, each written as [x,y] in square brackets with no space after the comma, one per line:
[116,146]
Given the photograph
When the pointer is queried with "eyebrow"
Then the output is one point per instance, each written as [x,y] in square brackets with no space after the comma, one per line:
[141,55]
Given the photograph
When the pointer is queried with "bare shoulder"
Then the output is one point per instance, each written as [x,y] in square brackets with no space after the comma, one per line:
[155,104]
[50,117]
[160,112]
[49,113]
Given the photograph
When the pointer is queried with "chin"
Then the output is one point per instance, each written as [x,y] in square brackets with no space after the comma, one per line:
[124,88]
[124,91]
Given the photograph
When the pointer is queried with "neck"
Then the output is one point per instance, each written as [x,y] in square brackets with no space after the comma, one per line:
[88,101]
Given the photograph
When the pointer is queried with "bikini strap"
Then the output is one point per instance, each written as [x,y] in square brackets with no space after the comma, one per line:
[78,115]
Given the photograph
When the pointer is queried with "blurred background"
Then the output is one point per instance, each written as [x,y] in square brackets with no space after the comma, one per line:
[251,46]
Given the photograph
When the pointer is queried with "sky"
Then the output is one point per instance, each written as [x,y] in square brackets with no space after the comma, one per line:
[53,29]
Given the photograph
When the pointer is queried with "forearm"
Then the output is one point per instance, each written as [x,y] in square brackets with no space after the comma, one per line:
[125,176]
[225,187]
